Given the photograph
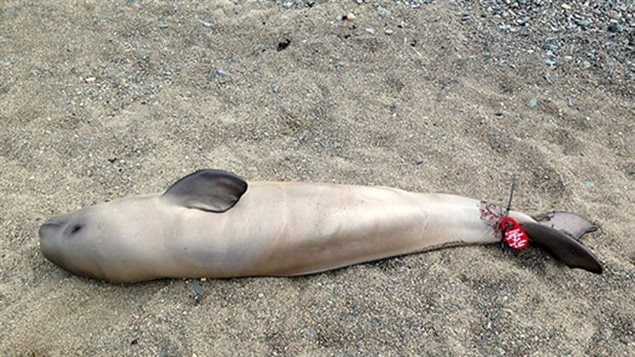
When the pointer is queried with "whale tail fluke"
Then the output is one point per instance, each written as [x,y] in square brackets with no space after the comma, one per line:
[559,232]
[570,223]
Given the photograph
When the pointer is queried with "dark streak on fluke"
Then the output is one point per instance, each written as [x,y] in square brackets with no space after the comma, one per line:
[210,224]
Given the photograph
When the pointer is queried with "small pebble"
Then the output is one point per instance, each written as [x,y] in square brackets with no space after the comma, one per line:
[583,22]
[550,62]
[547,77]
[206,24]
[388,31]
[382,11]
[551,46]
[163,25]
[197,290]
[614,28]
[349,17]
[533,103]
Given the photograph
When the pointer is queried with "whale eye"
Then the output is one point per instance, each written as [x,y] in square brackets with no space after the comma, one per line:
[76,228]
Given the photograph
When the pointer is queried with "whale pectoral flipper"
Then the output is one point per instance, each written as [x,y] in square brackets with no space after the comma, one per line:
[564,247]
[208,190]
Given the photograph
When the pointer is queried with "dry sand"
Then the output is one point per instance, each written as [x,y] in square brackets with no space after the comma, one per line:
[105,99]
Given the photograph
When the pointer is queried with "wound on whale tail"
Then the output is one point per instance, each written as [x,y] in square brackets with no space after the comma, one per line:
[559,232]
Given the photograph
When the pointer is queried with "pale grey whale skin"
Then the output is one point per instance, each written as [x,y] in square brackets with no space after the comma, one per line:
[211,223]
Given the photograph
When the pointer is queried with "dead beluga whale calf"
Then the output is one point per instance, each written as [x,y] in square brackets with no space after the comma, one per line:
[212,224]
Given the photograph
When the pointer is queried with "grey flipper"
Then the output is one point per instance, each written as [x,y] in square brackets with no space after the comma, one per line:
[564,247]
[571,223]
[208,190]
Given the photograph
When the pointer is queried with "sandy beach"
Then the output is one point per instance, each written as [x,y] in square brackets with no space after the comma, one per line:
[101,100]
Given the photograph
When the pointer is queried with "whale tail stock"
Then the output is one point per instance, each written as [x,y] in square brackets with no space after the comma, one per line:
[560,232]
